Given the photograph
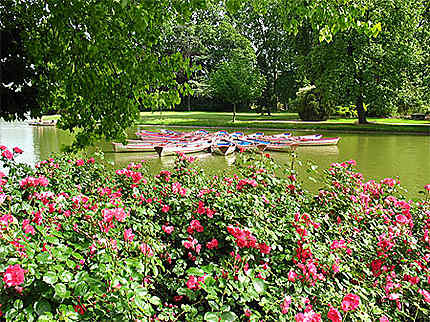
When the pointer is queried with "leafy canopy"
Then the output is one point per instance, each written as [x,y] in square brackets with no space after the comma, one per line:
[101,62]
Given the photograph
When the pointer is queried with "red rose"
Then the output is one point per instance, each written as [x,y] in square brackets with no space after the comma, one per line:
[14,275]
[334,315]
[7,154]
[350,302]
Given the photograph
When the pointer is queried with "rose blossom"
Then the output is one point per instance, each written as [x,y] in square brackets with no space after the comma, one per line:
[292,276]
[350,302]
[167,229]
[334,315]
[14,275]
[128,235]
[285,305]
[426,295]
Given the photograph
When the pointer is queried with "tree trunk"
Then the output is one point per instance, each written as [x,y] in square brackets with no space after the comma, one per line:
[189,102]
[234,112]
[360,110]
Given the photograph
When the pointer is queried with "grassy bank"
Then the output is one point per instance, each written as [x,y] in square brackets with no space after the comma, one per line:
[280,121]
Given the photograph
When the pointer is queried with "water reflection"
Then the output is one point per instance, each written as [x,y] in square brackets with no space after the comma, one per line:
[378,155]
[21,135]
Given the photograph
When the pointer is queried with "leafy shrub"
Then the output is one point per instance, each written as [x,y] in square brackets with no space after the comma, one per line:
[345,111]
[310,104]
[81,241]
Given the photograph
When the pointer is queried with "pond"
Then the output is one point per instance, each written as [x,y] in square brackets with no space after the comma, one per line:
[378,155]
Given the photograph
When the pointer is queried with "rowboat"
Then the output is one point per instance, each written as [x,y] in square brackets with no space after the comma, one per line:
[280,147]
[284,138]
[249,146]
[172,149]
[43,123]
[133,147]
[318,142]
[260,135]
[276,146]
[223,147]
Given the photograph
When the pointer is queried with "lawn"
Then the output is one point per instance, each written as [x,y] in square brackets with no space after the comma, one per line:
[279,121]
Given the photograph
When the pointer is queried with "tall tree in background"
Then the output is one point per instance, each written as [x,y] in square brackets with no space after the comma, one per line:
[237,81]
[273,49]
[358,69]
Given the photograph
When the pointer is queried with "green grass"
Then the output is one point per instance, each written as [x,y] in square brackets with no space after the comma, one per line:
[279,121]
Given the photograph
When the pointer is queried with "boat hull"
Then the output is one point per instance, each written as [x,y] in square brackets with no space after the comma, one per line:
[119,147]
[224,149]
[318,142]
[171,149]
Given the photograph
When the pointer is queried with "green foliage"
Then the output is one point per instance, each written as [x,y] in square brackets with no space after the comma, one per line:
[17,91]
[345,111]
[102,62]
[237,81]
[311,104]
[381,71]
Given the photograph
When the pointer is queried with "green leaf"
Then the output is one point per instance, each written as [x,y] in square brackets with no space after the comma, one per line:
[195,271]
[81,289]
[50,277]
[155,300]
[258,285]
[66,276]
[60,290]
[41,307]
[211,317]
[228,316]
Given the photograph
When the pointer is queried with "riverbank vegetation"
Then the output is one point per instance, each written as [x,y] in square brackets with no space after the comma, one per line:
[152,56]
[82,241]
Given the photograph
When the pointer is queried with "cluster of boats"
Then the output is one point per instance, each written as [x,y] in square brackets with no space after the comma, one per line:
[168,142]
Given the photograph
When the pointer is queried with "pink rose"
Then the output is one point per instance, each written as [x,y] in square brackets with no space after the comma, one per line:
[285,304]
[334,315]
[292,276]
[426,295]
[212,244]
[128,235]
[7,154]
[146,250]
[14,275]
[350,302]
[167,229]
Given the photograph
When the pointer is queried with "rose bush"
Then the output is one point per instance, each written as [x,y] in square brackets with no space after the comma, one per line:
[82,241]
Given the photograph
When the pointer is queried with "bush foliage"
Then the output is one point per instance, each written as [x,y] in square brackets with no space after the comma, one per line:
[310,104]
[81,241]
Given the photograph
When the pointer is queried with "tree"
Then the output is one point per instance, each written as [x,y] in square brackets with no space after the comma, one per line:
[237,81]
[273,51]
[101,60]
[18,95]
[358,69]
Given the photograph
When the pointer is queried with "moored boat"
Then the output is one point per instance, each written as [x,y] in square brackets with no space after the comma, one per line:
[249,146]
[133,147]
[318,142]
[223,148]
[172,149]
[43,123]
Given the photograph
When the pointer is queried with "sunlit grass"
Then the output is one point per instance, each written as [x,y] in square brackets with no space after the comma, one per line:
[278,121]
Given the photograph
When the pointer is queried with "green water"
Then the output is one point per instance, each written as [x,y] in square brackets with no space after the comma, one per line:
[378,155]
